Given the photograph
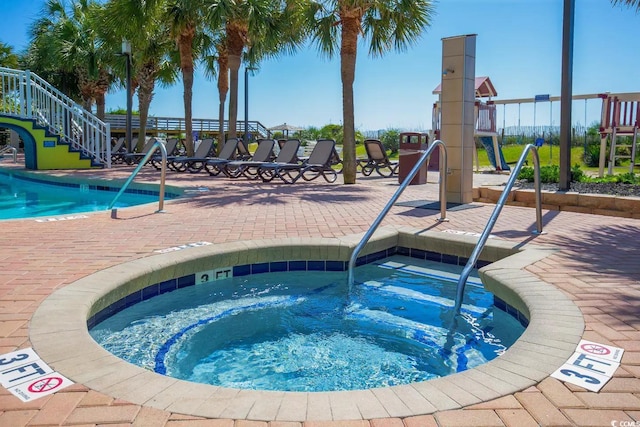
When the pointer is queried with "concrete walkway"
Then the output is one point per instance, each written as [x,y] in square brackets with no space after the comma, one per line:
[596,266]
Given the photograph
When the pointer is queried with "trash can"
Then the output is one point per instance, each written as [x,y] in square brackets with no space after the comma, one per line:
[411,145]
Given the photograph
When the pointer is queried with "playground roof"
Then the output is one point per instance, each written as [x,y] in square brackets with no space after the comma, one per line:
[484,88]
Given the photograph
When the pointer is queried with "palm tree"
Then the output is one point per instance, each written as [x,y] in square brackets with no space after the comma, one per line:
[186,20]
[142,24]
[628,3]
[7,57]
[386,24]
[69,38]
[257,28]
[217,63]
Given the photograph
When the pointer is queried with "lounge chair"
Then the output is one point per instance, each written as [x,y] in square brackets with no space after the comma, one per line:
[196,162]
[117,150]
[243,151]
[283,142]
[335,157]
[288,155]
[134,158]
[377,160]
[249,168]
[318,164]
[215,165]
[171,145]
[117,157]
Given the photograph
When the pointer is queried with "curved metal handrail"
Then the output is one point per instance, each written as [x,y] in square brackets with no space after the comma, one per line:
[14,152]
[163,173]
[405,183]
[494,217]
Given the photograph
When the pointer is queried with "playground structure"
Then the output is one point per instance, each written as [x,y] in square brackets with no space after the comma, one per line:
[620,117]
[56,131]
[485,119]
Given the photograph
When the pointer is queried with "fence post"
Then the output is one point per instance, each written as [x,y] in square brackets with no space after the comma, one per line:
[27,89]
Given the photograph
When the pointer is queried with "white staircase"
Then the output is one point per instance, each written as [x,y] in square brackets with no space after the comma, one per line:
[24,94]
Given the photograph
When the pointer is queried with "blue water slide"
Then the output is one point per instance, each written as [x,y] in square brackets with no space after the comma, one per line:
[487,142]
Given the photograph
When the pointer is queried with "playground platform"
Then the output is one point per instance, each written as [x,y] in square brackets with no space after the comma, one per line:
[596,266]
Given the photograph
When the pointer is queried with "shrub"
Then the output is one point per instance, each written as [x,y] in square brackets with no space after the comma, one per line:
[549,173]
[391,140]
[592,155]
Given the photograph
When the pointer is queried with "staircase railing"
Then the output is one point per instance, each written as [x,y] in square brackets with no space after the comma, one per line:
[27,95]
[473,258]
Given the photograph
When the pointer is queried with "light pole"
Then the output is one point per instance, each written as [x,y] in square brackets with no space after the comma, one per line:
[246,102]
[126,51]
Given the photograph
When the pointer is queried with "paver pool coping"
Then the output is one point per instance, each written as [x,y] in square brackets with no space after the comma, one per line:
[59,333]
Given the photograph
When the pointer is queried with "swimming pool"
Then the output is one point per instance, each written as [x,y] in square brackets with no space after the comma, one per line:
[300,331]
[26,196]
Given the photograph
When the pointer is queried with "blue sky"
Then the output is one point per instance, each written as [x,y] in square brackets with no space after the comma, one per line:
[518,47]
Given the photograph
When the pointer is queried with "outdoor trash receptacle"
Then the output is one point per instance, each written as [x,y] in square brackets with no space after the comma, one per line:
[411,146]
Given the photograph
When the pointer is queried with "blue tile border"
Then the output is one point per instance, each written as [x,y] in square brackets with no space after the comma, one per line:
[295,265]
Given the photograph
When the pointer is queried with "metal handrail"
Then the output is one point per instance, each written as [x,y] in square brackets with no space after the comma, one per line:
[14,152]
[396,195]
[163,173]
[496,212]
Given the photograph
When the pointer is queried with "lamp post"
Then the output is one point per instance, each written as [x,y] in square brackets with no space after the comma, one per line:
[126,51]
[246,102]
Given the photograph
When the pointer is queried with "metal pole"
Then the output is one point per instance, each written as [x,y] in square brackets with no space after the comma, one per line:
[246,104]
[566,94]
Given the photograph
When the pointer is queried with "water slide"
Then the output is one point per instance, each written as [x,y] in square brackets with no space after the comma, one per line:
[488,143]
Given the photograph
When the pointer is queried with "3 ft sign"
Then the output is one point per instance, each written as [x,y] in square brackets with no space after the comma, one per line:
[27,377]
[591,366]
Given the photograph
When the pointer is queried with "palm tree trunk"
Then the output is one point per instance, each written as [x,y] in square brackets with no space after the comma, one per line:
[350,31]
[223,88]
[145,96]
[185,41]
[234,66]
[147,84]
[100,105]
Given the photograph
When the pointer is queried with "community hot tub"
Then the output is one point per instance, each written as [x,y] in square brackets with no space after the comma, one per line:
[66,314]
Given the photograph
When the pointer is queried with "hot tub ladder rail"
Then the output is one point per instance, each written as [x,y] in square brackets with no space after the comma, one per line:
[443,201]
[494,217]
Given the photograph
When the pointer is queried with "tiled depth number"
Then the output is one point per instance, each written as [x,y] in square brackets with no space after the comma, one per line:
[213,275]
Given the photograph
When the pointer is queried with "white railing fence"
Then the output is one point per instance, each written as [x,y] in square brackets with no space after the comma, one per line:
[25,94]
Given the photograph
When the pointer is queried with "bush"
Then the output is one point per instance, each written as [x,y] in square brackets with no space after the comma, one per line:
[551,174]
[592,155]
[391,140]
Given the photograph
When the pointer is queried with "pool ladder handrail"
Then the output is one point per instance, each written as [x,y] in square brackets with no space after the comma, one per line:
[443,201]
[14,152]
[473,258]
[163,173]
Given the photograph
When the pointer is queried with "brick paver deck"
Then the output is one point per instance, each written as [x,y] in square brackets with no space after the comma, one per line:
[596,266]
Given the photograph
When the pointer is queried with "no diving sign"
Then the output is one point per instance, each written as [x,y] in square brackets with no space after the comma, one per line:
[591,366]
[24,374]
[40,387]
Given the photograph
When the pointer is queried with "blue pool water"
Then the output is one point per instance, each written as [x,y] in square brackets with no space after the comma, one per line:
[300,331]
[24,198]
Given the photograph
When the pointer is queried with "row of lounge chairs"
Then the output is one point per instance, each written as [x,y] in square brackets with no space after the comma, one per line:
[235,160]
